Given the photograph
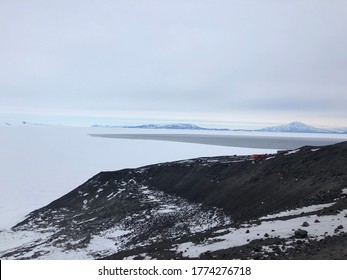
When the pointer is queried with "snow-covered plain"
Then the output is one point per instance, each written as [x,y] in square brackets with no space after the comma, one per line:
[39,164]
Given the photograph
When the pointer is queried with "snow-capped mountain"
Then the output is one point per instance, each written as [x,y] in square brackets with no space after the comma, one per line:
[185,126]
[269,206]
[297,127]
[168,126]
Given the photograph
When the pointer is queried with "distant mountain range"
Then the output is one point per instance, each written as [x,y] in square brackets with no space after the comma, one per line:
[186,126]
[106,126]
[293,127]
[23,123]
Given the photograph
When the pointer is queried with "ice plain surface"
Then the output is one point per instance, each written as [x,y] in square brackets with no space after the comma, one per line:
[40,164]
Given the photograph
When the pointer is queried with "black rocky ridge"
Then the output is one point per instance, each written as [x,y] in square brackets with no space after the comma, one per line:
[191,208]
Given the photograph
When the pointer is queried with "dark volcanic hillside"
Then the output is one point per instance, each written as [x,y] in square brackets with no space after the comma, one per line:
[248,188]
[186,209]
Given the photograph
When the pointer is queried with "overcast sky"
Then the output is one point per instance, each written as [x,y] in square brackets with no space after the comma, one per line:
[192,60]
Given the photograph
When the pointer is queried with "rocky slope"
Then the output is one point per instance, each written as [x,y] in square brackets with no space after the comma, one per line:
[292,204]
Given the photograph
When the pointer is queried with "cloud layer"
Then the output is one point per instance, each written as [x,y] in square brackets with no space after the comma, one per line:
[241,60]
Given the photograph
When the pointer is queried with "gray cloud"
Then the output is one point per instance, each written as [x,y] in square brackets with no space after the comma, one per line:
[223,58]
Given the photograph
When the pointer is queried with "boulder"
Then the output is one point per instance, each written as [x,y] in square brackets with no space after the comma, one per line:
[305,224]
[338,228]
[300,233]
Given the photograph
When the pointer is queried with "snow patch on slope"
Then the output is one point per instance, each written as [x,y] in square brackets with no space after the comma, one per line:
[298,211]
[282,229]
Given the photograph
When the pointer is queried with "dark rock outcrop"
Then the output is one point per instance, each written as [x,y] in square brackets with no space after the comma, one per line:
[300,233]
